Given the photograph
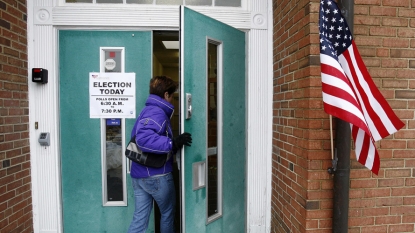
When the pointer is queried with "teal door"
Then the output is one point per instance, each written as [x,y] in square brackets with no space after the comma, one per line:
[213,111]
[96,191]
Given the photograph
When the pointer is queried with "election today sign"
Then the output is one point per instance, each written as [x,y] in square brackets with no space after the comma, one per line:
[112,95]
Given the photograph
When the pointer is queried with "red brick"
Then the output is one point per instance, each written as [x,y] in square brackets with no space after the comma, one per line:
[396,3]
[361,10]
[367,2]
[393,144]
[363,183]
[13,169]
[391,201]
[10,227]
[378,211]
[405,73]
[395,22]
[395,43]
[405,134]
[409,200]
[402,154]
[406,12]
[402,53]
[367,20]
[386,220]
[15,216]
[318,214]
[398,173]
[359,203]
[391,182]
[362,221]
[7,196]
[14,185]
[383,31]
[408,218]
[404,191]
[359,174]
[406,33]
[378,192]
[4,180]
[374,229]
[410,182]
[383,11]
[361,30]
[23,189]
[368,41]
[402,228]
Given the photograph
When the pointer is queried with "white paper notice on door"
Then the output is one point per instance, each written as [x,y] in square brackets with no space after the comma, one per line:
[112,95]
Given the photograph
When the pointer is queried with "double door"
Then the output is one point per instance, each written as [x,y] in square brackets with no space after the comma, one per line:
[96,188]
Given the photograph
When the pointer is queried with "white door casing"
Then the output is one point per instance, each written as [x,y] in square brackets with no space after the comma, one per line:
[45,18]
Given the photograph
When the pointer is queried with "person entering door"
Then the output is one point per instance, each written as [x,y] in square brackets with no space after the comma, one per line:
[153,134]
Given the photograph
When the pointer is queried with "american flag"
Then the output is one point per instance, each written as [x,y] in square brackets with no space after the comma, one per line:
[349,92]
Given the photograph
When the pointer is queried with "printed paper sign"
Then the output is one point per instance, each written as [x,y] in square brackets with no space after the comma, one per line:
[112,95]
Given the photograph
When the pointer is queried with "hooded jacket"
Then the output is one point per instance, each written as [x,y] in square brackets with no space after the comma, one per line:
[153,134]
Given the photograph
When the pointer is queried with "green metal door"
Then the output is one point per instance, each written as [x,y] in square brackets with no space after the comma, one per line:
[82,140]
[213,111]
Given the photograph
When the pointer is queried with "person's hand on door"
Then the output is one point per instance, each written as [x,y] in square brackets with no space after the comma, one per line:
[183,139]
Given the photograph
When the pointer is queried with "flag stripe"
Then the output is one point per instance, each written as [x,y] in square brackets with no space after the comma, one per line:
[390,114]
[345,115]
[370,105]
[338,96]
[383,114]
[365,149]
[362,93]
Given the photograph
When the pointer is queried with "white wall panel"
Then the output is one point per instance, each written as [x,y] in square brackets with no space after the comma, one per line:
[260,118]
[140,16]
[259,133]
[43,110]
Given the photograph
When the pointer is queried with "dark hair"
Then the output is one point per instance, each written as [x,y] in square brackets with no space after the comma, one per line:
[160,84]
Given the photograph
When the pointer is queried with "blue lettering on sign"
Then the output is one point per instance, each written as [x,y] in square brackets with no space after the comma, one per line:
[113,121]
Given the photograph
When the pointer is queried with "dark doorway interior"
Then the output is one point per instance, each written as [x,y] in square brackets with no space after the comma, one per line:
[166,62]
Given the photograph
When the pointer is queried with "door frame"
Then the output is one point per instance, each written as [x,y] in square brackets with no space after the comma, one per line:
[45,18]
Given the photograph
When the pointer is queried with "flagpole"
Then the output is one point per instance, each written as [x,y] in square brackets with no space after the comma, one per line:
[341,178]
[331,137]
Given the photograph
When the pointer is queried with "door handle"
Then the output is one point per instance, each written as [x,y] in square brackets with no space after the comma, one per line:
[199,175]
[188,105]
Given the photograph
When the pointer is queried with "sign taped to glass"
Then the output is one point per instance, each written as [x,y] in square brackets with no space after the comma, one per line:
[112,95]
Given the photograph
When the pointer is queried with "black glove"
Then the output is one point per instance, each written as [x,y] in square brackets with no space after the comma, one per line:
[182,139]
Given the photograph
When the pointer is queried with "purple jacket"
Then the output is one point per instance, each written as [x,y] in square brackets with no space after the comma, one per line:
[153,134]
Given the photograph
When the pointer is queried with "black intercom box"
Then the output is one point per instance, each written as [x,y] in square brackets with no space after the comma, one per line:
[39,75]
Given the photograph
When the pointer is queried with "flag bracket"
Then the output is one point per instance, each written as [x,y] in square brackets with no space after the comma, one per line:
[332,170]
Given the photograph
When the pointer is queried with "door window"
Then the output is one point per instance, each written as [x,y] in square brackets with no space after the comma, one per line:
[114,185]
[114,161]
[214,119]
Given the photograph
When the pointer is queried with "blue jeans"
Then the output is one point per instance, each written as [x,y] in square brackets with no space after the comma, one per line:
[161,189]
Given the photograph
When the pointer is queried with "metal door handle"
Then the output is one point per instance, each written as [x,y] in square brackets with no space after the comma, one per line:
[188,105]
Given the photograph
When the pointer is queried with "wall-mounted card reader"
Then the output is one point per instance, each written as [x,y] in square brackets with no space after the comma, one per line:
[40,75]
[44,139]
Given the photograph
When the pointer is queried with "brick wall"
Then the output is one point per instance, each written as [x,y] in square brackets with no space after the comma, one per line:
[15,181]
[384,31]
[385,34]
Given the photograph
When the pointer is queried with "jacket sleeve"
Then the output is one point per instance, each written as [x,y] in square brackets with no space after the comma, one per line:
[151,133]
